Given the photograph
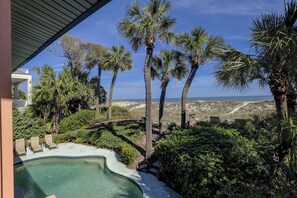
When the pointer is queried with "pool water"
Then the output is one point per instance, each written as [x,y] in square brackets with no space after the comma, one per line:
[66,177]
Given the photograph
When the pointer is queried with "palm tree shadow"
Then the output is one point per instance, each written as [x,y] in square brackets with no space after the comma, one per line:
[110,128]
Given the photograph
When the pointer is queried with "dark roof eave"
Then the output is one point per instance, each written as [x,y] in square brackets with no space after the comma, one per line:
[80,18]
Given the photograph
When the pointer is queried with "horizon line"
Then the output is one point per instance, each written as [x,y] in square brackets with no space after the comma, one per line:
[198,97]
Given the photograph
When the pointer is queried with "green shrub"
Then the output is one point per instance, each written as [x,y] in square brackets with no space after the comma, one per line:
[77,121]
[120,113]
[25,125]
[66,137]
[128,153]
[172,126]
[211,161]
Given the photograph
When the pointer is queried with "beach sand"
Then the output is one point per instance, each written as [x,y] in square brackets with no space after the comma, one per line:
[226,110]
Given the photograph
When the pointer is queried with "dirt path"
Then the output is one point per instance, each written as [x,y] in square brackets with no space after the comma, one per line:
[238,107]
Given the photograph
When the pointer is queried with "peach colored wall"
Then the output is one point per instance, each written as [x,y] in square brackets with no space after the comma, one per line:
[6,141]
[6,147]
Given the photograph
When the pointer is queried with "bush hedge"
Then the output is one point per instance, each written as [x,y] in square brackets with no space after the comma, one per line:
[76,121]
[25,125]
[220,161]
[128,153]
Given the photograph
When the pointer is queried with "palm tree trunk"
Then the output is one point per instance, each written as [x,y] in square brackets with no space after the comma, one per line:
[110,94]
[161,105]
[291,100]
[185,94]
[148,101]
[278,84]
[98,90]
[57,121]
[281,105]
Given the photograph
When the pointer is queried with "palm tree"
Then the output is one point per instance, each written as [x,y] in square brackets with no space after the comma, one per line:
[114,60]
[170,64]
[273,38]
[145,26]
[42,104]
[94,56]
[199,48]
[54,92]
[275,48]
[62,91]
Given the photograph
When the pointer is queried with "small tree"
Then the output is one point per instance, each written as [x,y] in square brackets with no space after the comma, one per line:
[170,64]
[199,48]
[93,58]
[53,93]
[114,60]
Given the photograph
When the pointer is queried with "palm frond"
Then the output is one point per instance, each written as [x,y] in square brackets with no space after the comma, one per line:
[148,24]
[134,12]
[157,63]
[165,26]
[184,40]
[290,15]
[117,59]
[169,62]
[214,47]
[235,70]
[199,37]
[180,71]
[154,73]
[134,32]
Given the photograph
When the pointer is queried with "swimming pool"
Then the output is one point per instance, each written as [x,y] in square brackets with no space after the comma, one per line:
[72,177]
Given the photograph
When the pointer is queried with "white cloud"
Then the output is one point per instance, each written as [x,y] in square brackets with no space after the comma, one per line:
[229,7]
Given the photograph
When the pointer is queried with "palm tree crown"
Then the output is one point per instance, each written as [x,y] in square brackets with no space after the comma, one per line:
[117,59]
[146,25]
[169,63]
[199,46]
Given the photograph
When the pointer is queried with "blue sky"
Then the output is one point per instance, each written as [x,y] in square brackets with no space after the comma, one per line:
[228,18]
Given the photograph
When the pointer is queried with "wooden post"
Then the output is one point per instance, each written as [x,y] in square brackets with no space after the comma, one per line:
[214,119]
[6,139]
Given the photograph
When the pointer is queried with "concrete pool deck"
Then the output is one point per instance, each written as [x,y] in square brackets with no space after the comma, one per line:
[150,185]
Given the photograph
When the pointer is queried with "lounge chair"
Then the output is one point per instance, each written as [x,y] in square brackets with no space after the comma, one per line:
[20,148]
[35,144]
[49,141]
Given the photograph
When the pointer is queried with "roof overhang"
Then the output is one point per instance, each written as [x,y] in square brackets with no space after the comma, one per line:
[37,24]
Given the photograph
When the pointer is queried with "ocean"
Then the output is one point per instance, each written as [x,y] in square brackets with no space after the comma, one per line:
[225,98]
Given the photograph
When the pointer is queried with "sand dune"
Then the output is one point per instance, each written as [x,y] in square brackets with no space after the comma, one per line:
[226,110]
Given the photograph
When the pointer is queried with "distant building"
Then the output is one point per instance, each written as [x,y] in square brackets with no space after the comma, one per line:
[18,77]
